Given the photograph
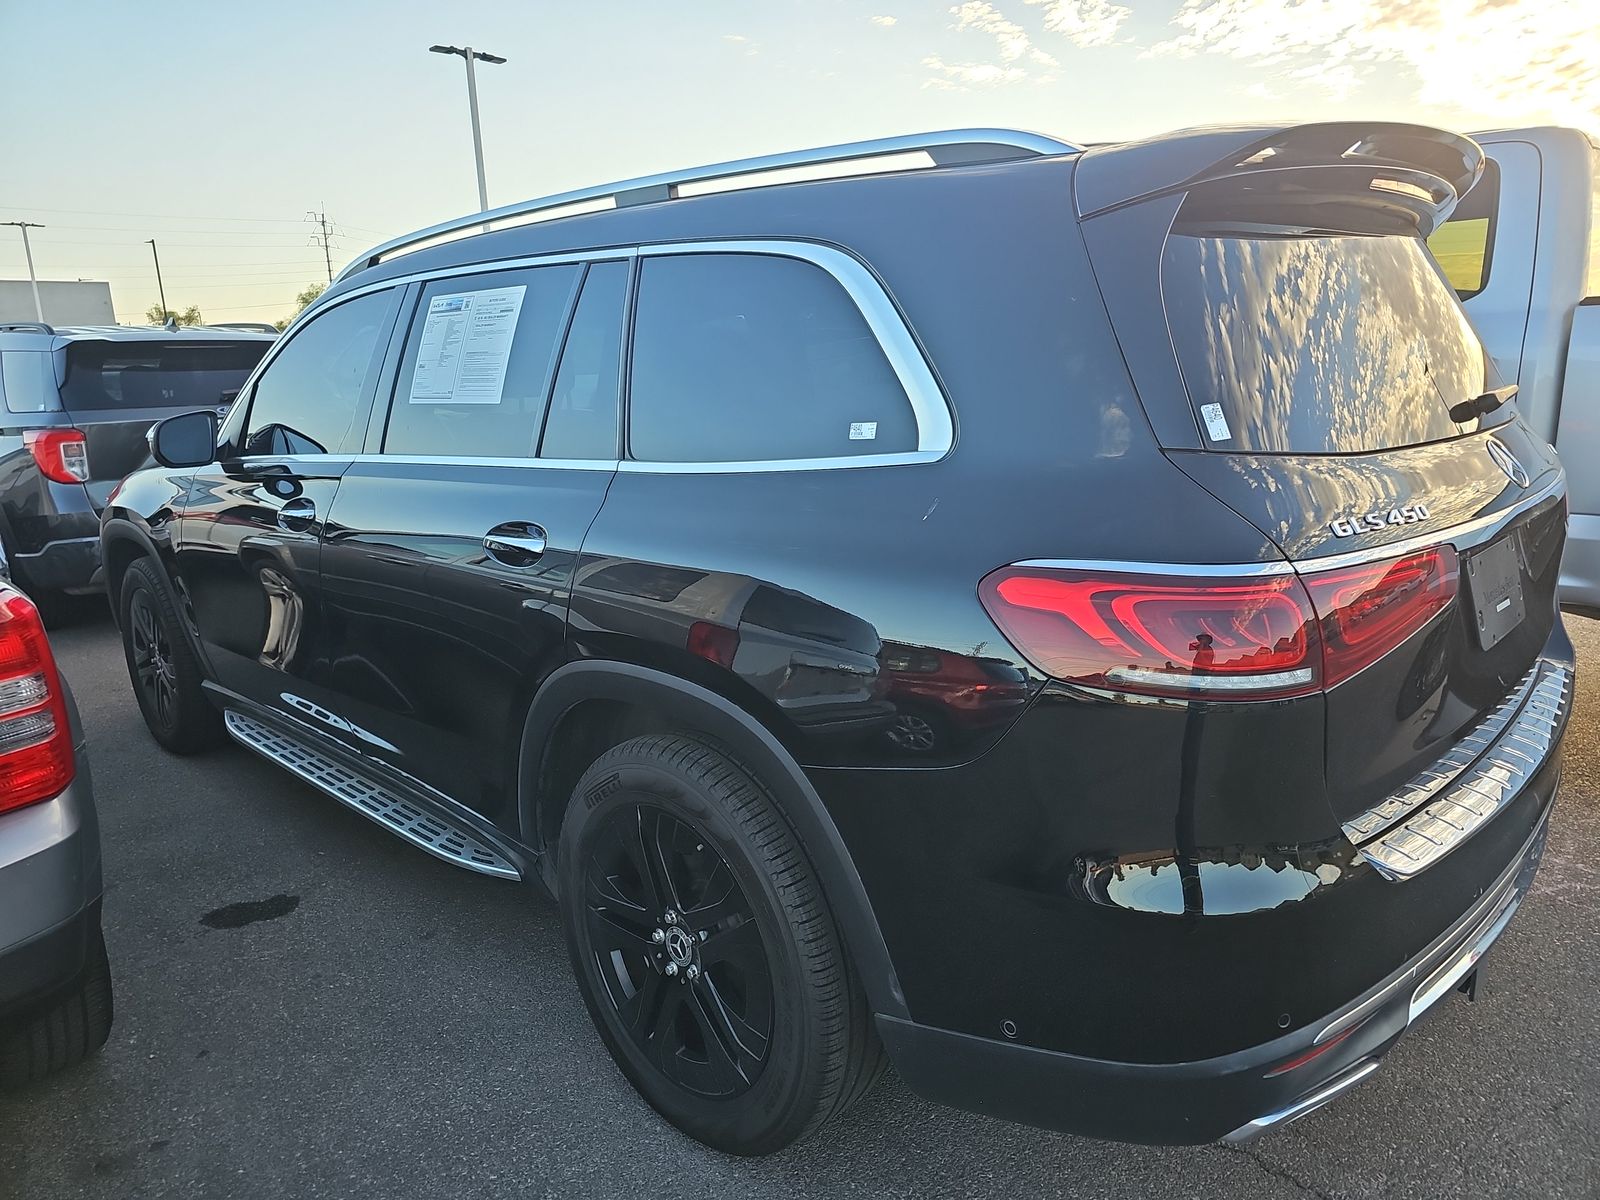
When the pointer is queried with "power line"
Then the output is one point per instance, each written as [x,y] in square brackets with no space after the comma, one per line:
[321,218]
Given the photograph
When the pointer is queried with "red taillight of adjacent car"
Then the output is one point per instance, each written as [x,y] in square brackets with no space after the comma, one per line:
[36,760]
[62,454]
[1160,635]
[1366,611]
[1246,638]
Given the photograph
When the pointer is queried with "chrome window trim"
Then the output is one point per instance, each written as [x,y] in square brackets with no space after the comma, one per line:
[929,407]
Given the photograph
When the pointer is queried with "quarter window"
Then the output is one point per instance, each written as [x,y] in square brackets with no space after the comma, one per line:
[307,397]
[1591,287]
[1463,245]
[750,358]
[478,361]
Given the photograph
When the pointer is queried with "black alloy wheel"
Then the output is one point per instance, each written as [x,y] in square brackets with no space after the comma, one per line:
[150,650]
[676,945]
[162,666]
[706,953]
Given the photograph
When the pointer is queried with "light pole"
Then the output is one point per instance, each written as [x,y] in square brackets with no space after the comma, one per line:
[468,53]
[161,291]
[38,309]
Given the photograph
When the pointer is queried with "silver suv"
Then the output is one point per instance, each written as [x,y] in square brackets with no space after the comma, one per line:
[55,984]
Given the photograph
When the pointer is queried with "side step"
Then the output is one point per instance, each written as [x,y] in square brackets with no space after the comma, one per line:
[421,827]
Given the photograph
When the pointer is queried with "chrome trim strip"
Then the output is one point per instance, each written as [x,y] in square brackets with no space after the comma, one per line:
[1487,526]
[935,422]
[1246,1134]
[1207,570]
[1446,803]
[54,542]
[666,183]
[1211,684]
[1438,985]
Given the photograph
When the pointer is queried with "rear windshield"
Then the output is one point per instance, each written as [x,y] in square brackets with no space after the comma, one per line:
[1319,344]
[156,374]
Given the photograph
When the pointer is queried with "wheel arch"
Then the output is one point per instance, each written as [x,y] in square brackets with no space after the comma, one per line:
[583,687]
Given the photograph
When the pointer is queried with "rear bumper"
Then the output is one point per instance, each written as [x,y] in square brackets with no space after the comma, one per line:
[50,887]
[1234,1097]
[71,564]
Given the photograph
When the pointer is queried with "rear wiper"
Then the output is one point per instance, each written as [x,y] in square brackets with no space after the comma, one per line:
[1481,406]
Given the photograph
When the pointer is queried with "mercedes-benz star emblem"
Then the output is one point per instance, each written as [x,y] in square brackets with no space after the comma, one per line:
[1507,462]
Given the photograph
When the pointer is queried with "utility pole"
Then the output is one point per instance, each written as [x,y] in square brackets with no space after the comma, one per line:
[471,55]
[27,250]
[321,218]
[162,291]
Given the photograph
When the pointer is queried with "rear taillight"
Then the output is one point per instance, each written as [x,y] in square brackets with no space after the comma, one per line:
[1366,611]
[36,760]
[62,454]
[1243,638]
[1161,635]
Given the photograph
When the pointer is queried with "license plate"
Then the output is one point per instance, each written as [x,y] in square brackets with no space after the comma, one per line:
[1494,581]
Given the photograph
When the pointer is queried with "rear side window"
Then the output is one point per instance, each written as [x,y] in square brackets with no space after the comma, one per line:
[1463,245]
[478,363]
[750,358]
[102,375]
[583,407]
[1318,345]
[307,397]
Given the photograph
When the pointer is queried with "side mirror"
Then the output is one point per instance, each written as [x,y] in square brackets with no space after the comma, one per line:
[187,440]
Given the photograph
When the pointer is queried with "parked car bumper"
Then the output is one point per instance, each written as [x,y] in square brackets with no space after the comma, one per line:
[50,889]
[1235,1097]
[69,565]
[1580,563]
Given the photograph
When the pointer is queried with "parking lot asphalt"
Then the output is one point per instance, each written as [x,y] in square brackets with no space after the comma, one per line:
[307,1007]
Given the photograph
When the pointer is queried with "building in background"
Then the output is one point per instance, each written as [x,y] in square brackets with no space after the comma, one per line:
[65,302]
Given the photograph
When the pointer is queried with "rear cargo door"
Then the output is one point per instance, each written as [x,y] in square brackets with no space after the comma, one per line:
[114,390]
[1310,372]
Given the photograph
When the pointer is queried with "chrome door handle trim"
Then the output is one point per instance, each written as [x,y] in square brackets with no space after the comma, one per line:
[515,545]
[297,515]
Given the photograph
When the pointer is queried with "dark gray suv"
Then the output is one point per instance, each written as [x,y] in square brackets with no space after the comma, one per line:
[75,403]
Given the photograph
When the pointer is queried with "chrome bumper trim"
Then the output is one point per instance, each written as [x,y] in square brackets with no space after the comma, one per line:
[1446,803]
[1246,1134]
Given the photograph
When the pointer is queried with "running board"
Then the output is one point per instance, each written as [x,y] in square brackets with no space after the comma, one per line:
[404,818]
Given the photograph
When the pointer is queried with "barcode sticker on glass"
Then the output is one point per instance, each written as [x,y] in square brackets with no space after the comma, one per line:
[1216,422]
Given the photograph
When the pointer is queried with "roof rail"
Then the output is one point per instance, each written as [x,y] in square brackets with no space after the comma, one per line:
[948,147]
[245,326]
[25,327]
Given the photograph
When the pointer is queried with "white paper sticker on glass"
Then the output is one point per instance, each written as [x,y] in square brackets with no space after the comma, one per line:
[1216,422]
[466,343]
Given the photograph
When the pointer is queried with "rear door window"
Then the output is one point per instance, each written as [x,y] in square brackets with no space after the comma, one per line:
[478,362]
[752,358]
[1464,245]
[182,375]
[1318,345]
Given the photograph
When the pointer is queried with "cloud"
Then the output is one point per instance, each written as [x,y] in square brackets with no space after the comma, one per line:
[1084,22]
[1011,38]
[959,76]
[884,22]
[1507,60]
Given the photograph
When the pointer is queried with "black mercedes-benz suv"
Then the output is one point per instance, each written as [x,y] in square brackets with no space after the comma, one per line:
[1164,483]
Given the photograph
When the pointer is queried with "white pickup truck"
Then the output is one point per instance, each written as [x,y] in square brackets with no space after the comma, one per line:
[1523,252]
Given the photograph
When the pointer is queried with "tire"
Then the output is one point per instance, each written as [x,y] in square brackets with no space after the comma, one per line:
[63,1034]
[162,666]
[761,1033]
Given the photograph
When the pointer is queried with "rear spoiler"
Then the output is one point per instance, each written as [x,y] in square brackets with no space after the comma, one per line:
[1351,176]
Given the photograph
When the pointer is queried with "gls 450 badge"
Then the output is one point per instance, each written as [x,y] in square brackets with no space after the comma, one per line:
[1410,514]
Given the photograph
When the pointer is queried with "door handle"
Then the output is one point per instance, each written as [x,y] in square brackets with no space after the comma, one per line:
[516,543]
[298,515]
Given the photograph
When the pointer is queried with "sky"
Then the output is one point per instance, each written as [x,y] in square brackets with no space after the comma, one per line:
[216,128]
